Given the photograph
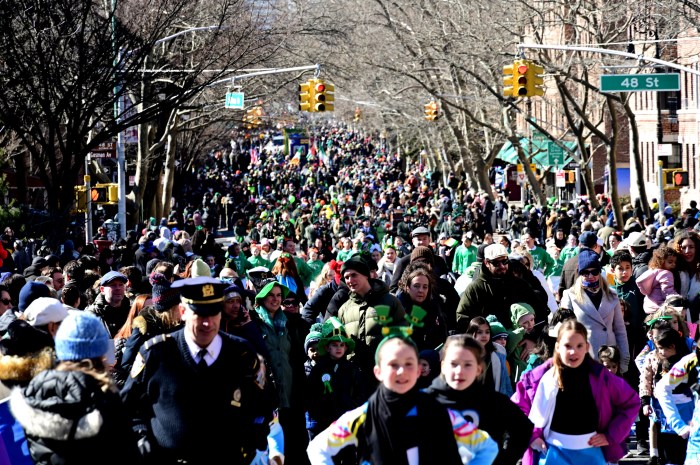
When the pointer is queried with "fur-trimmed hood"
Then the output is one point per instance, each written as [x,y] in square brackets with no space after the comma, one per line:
[61,405]
[16,370]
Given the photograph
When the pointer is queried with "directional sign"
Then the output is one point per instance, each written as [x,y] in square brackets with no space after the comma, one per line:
[640,82]
[555,154]
[561,178]
[235,100]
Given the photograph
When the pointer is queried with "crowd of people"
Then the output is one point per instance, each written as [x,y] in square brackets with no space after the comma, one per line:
[344,305]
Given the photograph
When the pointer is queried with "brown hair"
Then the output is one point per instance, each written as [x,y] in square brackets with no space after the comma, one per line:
[660,255]
[139,303]
[694,267]
[464,341]
[285,266]
[568,325]
[94,367]
[413,270]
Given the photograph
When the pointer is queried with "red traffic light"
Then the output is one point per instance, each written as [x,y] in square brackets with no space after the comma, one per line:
[522,69]
[320,88]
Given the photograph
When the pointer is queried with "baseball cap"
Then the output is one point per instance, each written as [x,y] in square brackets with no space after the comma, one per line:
[45,310]
[113,276]
[636,239]
[590,239]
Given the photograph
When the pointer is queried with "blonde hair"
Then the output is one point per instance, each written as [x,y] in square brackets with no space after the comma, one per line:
[94,367]
[524,253]
[577,289]
[667,310]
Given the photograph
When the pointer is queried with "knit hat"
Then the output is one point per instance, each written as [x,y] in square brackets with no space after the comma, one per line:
[355,263]
[23,339]
[45,310]
[81,336]
[588,259]
[200,268]
[334,330]
[519,310]
[30,292]
[164,297]
[497,329]
[423,253]
[314,335]
[590,239]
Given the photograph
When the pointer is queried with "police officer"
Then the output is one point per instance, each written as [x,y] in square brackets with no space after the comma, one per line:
[196,395]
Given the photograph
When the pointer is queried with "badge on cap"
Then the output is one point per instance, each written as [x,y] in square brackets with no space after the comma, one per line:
[236,402]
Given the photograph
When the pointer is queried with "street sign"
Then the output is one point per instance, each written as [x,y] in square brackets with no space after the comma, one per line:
[537,135]
[235,100]
[104,150]
[640,82]
[555,154]
[522,178]
[561,179]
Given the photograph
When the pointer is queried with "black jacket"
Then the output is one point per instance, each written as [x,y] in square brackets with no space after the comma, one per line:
[70,420]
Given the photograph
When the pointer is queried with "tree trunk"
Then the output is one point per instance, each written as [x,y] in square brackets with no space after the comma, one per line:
[612,164]
[532,179]
[637,160]
[168,173]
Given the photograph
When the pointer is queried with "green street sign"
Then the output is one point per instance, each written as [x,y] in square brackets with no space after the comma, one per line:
[640,82]
[555,154]
[235,100]
[537,135]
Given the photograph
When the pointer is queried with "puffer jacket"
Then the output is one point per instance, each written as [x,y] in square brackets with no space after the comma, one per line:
[70,420]
[113,317]
[361,322]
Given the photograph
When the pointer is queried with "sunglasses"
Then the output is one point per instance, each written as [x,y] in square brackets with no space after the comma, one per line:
[499,262]
[6,301]
[587,273]
[290,303]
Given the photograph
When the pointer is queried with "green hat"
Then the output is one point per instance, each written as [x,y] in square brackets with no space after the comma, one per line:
[314,335]
[333,330]
[519,310]
[268,287]
[497,329]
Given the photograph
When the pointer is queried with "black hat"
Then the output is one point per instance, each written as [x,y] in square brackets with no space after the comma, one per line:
[203,295]
[357,264]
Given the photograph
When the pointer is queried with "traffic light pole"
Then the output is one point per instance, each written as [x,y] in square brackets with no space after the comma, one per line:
[660,169]
[88,201]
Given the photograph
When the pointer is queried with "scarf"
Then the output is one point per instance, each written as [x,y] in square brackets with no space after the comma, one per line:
[386,428]
[279,324]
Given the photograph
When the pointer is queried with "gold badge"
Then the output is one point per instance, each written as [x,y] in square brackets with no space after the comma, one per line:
[207,290]
[137,366]
[236,402]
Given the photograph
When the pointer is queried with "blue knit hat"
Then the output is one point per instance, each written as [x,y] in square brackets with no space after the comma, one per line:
[587,258]
[81,336]
[30,292]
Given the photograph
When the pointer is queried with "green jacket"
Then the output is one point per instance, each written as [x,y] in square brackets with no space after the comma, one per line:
[279,346]
[464,256]
[259,261]
[360,319]
[542,261]
[239,263]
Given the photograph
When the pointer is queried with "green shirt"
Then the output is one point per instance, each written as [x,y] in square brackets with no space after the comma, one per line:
[464,257]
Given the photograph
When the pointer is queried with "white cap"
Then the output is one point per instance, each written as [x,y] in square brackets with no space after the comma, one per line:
[45,310]
[495,251]
[636,239]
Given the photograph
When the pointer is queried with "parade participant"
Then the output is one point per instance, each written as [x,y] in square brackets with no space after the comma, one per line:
[198,362]
[597,308]
[465,255]
[111,306]
[572,386]
[72,414]
[400,424]
[496,376]
[457,388]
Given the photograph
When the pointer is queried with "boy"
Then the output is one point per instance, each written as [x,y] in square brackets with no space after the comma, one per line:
[311,347]
[523,317]
[401,421]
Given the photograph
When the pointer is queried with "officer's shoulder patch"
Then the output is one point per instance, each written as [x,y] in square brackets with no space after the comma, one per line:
[138,365]
[140,324]
[156,340]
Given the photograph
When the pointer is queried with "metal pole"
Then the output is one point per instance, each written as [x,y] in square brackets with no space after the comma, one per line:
[660,165]
[88,201]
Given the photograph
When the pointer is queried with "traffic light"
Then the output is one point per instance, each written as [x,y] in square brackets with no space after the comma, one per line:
[508,80]
[105,194]
[358,114]
[520,78]
[681,179]
[80,199]
[305,96]
[535,81]
[322,96]
[253,117]
[431,110]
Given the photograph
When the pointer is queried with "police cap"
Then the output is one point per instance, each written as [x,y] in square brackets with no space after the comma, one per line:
[203,295]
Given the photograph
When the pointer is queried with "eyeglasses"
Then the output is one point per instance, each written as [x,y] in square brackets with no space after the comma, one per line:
[6,301]
[498,263]
[587,273]
[290,303]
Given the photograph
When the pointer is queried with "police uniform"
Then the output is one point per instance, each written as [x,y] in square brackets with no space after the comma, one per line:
[189,412]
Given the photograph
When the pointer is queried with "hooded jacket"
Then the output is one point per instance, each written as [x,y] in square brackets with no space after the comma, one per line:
[69,419]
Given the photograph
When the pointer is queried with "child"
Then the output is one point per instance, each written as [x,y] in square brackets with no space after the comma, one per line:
[457,389]
[522,316]
[574,386]
[657,282]
[401,422]
[627,291]
[496,373]
[73,414]
[664,444]
[332,386]
[429,361]
[610,357]
[672,317]
[311,347]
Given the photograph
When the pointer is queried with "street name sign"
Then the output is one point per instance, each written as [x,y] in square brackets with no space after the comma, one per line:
[235,100]
[640,82]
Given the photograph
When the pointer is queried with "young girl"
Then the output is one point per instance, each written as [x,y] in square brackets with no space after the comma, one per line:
[495,375]
[399,423]
[664,443]
[457,388]
[666,315]
[610,357]
[657,282]
[574,386]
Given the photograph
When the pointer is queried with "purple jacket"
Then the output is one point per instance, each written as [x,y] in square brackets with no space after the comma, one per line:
[616,401]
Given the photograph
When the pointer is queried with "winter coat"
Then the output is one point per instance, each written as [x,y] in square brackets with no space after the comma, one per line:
[605,324]
[69,419]
[616,402]
[113,317]
[656,284]
[434,330]
[279,346]
[318,303]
